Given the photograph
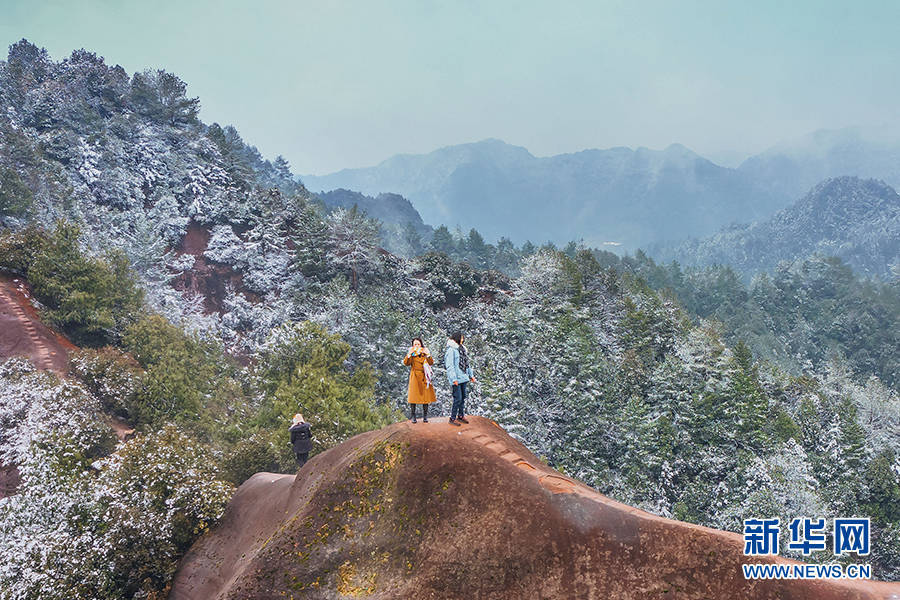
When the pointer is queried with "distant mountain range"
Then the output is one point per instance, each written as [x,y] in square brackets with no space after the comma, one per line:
[791,168]
[857,220]
[618,196]
[624,196]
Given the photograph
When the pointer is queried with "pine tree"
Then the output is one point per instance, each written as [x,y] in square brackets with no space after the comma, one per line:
[231,147]
[282,168]
[751,404]
[15,197]
[743,358]
[476,249]
[352,240]
[882,489]
[442,241]
[27,67]
[310,239]
[811,430]
[853,437]
[507,257]
[161,95]
[412,240]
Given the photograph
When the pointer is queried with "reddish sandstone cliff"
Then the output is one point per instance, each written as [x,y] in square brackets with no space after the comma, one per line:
[434,511]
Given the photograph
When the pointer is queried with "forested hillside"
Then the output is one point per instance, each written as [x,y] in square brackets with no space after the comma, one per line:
[803,315]
[401,230]
[855,220]
[212,297]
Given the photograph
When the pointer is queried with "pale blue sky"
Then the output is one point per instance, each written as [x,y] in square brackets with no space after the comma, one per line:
[346,84]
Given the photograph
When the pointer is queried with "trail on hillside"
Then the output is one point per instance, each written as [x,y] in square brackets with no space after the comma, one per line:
[23,334]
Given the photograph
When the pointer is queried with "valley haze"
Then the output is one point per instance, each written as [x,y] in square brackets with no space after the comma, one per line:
[631,198]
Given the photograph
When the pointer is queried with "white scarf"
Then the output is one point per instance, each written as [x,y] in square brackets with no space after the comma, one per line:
[429,373]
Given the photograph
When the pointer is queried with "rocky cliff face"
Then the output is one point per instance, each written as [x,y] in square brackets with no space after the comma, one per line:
[435,511]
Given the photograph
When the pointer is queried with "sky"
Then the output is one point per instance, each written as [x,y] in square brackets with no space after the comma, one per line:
[333,84]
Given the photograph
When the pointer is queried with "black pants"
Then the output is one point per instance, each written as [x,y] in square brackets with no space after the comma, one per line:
[302,457]
[412,411]
[459,400]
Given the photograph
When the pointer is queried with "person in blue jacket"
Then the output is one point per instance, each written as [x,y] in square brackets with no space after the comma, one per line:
[459,374]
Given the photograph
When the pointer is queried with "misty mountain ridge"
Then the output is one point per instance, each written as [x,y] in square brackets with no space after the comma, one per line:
[629,196]
[857,220]
[792,167]
[636,197]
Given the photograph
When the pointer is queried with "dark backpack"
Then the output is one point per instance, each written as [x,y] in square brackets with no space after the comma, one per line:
[301,437]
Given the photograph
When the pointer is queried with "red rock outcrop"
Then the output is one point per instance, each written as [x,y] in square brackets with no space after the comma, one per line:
[23,334]
[435,511]
[9,480]
[207,278]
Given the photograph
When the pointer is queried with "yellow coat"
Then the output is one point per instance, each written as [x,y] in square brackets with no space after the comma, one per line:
[418,393]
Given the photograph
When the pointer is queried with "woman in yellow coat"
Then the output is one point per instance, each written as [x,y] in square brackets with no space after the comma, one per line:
[421,390]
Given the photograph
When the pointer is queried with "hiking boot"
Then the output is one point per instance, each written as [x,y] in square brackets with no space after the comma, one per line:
[462,420]
[453,422]
[414,420]
[424,419]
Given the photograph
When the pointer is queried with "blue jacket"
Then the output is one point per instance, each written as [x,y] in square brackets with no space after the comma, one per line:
[451,362]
